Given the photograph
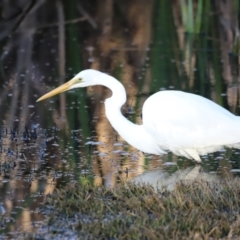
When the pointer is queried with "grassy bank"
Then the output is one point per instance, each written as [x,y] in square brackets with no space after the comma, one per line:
[192,211]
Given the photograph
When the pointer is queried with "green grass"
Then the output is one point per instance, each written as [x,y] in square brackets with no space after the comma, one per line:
[191,23]
[192,211]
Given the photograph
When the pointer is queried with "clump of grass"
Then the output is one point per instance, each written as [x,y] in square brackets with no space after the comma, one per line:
[198,210]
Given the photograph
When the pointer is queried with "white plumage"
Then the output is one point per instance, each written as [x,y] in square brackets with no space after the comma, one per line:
[190,125]
[186,124]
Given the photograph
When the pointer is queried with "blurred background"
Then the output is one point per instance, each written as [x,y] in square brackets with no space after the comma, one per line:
[189,45]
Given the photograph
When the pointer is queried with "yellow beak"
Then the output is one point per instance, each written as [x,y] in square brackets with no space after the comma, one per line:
[63,88]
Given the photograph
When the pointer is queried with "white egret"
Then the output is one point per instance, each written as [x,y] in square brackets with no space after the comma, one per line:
[186,124]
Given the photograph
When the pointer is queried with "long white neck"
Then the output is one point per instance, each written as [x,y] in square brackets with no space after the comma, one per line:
[134,134]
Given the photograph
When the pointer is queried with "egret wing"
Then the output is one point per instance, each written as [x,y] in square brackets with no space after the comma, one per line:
[186,121]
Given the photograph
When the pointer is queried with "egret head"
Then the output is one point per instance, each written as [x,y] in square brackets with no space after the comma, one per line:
[83,79]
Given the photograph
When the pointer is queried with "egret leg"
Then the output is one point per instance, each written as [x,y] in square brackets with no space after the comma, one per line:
[194,154]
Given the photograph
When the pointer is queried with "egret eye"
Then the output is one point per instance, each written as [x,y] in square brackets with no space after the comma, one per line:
[78,80]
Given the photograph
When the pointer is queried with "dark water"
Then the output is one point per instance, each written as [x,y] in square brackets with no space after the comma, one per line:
[68,138]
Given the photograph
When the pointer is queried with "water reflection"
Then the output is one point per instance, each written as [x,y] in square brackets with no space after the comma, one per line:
[162,180]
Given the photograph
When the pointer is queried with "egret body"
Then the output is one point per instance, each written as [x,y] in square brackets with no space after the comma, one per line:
[186,124]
